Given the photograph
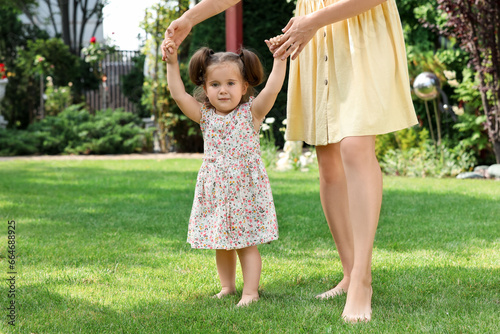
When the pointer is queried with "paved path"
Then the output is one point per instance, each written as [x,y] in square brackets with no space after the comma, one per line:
[133,156]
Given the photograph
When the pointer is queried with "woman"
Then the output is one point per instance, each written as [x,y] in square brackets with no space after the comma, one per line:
[348,82]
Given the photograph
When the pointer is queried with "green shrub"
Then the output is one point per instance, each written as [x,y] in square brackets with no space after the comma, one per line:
[17,142]
[410,152]
[428,161]
[57,98]
[75,131]
[132,83]
[405,139]
[268,148]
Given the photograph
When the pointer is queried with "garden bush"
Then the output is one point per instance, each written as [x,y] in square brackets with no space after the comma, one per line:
[76,131]
[17,142]
[428,161]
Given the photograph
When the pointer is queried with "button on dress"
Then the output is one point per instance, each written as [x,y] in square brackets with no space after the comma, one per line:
[351,79]
[233,205]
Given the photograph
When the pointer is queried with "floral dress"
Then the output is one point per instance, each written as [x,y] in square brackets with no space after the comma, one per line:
[233,206]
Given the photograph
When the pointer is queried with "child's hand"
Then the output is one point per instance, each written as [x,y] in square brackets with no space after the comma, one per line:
[170,57]
[274,43]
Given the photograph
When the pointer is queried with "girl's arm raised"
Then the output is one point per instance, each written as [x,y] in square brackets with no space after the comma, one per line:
[263,103]
[188,104]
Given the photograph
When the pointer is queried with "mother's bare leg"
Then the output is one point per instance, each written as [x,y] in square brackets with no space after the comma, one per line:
[334,199]
[364,189]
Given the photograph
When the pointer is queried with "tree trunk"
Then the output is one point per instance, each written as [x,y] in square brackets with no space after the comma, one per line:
[66,34]
[496,149]
[75,47]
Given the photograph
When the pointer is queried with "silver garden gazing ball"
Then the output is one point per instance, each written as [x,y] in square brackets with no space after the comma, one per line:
[426,86]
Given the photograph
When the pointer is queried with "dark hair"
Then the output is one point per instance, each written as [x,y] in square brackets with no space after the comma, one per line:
[248,62]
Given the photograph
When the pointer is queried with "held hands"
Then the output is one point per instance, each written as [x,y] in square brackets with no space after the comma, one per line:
[274,43]
[176,32]
[169,51]
[297,33]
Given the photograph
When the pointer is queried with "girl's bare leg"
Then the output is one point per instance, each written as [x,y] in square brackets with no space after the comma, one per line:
[226,268]
[364,189]
[333,192]
[251,266]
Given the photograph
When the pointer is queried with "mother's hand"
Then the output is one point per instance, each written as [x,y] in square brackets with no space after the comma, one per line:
[297,33]
[176,32]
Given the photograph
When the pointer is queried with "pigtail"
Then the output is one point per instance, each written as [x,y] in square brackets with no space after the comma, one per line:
[198,65]
[252,68]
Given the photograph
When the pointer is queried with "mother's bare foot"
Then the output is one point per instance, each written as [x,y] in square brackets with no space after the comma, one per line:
[358,306]
[340,289]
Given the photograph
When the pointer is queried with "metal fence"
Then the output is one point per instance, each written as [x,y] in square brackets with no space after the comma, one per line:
[109,94]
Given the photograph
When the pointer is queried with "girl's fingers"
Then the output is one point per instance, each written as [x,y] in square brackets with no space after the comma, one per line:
[167,47]
[281,47]
[286,45]
[163,51]
[276,40]
[271,46]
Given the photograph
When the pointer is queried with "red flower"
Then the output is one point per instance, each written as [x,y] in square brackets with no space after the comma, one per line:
[93,40]
[2,71]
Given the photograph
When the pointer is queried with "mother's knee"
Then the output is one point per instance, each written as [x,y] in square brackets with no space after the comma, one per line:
[356,150]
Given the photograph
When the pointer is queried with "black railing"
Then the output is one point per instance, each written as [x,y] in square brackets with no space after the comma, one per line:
[109,94]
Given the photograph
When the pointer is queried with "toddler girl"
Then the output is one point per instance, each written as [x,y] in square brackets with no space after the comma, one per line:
[233,209]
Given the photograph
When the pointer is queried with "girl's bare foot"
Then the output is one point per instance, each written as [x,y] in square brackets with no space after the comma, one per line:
[358,306]
[340,289]
[246,300]
[224,293]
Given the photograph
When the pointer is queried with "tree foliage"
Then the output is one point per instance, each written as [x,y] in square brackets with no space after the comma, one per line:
[156,97]
[475,24]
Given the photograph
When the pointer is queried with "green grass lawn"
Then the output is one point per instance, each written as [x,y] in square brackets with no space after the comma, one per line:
[101,248]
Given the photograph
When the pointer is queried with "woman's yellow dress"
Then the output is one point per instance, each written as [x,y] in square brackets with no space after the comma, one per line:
[351,79]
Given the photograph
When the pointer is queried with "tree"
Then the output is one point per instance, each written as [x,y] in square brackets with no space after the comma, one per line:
[475,24]
[66,11]
[156,97]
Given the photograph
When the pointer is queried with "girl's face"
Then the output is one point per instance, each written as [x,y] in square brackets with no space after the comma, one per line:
[224,87]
